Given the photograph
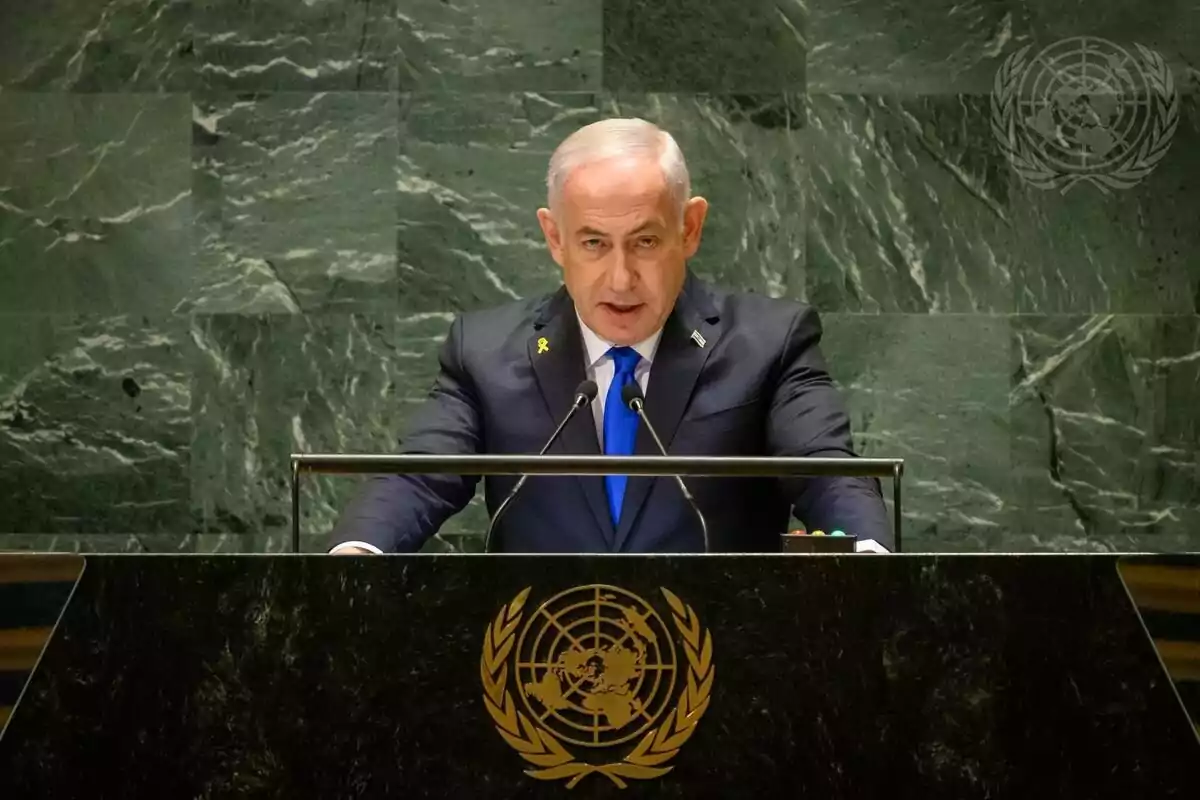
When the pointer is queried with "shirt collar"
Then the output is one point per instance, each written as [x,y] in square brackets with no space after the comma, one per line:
[598,348]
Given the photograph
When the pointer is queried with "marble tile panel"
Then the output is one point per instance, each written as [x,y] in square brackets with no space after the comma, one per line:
[1171,29]
[280,45]
[1095,247]
[1105,433]
[908,207]
[268,386]
[95,203]
[96,45]
[704,46]
[95,424]
[295,202]
[933,391]
[904,48]
[516,45]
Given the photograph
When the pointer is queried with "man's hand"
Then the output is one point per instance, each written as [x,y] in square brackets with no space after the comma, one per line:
[352,551]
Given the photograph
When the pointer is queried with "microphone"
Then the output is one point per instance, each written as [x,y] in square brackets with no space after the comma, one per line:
[631,394]
[585,393]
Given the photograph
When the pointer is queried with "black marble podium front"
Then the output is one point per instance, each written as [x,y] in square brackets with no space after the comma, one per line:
[798,676]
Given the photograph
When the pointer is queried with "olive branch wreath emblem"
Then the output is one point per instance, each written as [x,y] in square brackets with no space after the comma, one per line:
[550,759]
[1034,166]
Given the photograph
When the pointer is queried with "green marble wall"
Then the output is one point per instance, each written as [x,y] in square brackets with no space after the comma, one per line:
[231,230]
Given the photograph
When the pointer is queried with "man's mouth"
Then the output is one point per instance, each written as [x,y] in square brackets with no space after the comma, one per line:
[621,309]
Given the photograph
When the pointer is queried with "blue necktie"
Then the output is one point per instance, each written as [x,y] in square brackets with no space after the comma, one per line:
[620,424]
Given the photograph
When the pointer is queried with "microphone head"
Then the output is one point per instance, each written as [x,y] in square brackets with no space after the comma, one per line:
[631,395]
[587,390]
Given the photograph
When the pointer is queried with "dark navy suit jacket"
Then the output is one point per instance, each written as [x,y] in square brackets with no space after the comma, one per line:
[759,386]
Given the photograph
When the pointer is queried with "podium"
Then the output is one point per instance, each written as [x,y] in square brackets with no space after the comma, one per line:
[456,676]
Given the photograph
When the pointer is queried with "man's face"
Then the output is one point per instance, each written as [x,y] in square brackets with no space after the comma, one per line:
[622,247]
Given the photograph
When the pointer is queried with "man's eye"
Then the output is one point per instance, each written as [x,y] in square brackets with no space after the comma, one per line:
[647,242]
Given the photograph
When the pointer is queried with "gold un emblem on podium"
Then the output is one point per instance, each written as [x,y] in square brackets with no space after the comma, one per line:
[602,688]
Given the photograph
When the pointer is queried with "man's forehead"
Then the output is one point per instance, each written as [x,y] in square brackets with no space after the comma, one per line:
[616,197]
[595,229]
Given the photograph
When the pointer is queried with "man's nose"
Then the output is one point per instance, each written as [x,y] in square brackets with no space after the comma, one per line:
[620,276]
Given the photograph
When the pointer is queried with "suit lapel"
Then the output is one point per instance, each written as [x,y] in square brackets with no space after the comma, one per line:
[557,356]
[673,374]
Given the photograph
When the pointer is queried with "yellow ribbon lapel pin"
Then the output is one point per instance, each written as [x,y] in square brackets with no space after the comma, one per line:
[543,346]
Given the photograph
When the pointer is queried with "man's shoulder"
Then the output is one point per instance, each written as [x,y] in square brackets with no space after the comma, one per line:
[740,308]
[516,314]
[488,329]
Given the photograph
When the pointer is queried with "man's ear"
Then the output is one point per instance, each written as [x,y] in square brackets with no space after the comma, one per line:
[694,214]
[553,234]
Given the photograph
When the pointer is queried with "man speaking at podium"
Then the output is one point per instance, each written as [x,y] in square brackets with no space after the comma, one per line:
[723,374]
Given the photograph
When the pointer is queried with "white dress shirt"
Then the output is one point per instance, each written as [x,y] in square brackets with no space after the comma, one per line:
[600,368]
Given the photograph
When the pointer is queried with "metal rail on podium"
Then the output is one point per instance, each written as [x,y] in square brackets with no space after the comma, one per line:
[654,466]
